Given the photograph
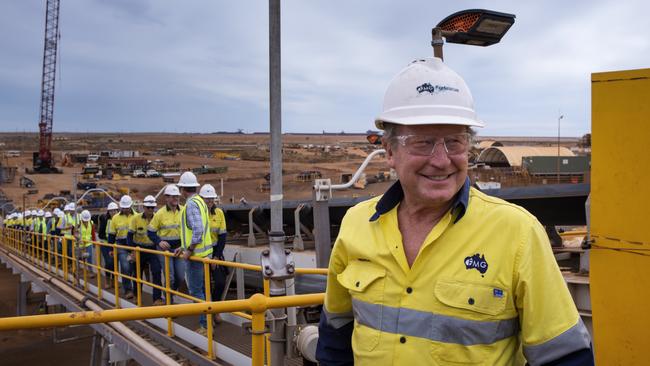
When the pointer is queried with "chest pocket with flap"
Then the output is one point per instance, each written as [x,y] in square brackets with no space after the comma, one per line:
[481,298]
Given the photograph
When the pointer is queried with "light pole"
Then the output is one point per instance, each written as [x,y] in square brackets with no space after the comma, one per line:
[559,118]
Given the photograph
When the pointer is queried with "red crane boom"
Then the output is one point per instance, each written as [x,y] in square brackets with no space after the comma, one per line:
[43,162]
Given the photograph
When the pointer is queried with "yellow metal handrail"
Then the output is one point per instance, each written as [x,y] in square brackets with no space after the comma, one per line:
[33,246]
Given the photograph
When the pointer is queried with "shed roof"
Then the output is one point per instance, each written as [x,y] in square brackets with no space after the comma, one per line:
[513,154]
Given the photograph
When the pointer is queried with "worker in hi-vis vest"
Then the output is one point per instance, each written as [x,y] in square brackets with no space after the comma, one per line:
[195,238]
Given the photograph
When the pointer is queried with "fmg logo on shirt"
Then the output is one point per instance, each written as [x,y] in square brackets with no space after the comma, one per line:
[477,262]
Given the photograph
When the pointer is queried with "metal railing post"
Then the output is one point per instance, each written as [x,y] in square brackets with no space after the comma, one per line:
[208,298]
[138,277]
[115,278]
[168,297]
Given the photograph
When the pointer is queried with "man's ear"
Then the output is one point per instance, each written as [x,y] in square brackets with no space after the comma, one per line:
[390,158]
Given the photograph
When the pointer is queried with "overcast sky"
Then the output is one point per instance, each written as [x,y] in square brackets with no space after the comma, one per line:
[202,66]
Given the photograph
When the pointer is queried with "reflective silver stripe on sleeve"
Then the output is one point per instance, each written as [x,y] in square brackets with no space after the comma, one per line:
[167,238]
[175,226]
[338,320]
[436,327]
[574,339]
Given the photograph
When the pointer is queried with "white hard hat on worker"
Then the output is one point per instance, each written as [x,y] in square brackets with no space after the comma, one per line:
[208,191]
[126,201]
[85,216]
[149,201]
[188,179]
[172,190]
[428,92]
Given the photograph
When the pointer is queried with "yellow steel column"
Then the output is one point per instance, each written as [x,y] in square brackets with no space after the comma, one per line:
[56,255]
[64,250]
[168,297]
[97,249]
[208,298]
[258,307]
[138,279]
[620,261]
[267,337]
[115,278]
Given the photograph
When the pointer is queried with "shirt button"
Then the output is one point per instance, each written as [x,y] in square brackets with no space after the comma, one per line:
[409,290]
[357,284]
[470,301]
[402,339]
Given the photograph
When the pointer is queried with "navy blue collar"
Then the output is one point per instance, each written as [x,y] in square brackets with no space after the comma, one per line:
[395,194]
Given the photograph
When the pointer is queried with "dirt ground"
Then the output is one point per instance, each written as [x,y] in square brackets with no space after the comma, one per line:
[243,178]
[36,346]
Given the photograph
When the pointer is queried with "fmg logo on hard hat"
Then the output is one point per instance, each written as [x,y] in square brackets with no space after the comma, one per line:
[435,89]
[477,262]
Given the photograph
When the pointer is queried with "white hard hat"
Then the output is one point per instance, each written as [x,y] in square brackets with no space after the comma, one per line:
[19,216]
[40,213]
[112,206]
[72,206]
[60,214]
[207,191]
[27,213]
[172,190]
[188,179]
[427,92]
[56,211]
[149,201]
[126,201]
[48,214]
[85,215]
[67,207]
[34,212]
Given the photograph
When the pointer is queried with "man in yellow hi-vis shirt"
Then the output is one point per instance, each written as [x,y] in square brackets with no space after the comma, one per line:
[435,272]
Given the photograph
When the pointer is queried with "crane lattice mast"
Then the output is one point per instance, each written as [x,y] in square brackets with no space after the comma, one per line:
[47,86]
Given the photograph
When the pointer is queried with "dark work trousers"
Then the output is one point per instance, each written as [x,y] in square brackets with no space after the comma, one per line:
[219,275]
[107,254]
[154,265]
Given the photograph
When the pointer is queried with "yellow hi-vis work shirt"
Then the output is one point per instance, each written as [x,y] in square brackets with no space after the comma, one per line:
[217,224]
[138,226]
[120,226]
[166,223]
[484,279]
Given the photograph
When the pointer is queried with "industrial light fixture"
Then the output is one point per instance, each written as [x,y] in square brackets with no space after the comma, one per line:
[475,27]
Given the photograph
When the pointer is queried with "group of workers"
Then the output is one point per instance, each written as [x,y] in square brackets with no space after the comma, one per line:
[433,272]
[196,229]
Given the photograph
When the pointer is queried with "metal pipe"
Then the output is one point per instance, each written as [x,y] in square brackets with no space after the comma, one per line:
[278,257]
[95,190]
[356,175]
[99,315]
[437,42]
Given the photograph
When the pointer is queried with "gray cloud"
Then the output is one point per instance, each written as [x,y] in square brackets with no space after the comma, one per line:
[203,65]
